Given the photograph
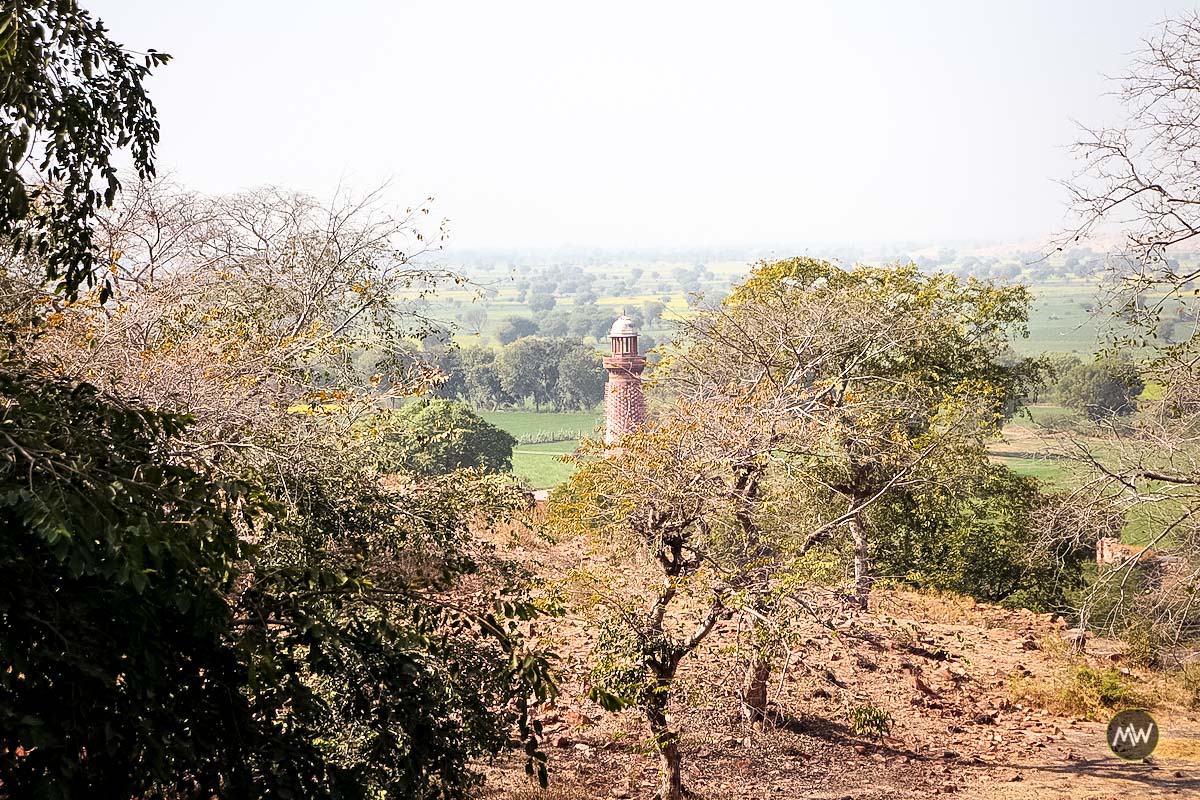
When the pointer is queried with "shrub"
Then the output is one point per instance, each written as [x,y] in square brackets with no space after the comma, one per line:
[977,539]
[1094,690]
[871,721]
[549,437]
[1087,692]
[433,437]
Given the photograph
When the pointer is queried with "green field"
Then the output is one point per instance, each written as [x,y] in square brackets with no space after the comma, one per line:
[1061,320]
[539,464]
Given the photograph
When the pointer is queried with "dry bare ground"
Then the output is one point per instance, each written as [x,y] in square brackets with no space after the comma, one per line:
[954,675]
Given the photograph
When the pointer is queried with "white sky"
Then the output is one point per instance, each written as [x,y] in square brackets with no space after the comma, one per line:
[646,123]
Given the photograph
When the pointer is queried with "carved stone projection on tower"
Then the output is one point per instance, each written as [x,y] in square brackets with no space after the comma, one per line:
[624,401]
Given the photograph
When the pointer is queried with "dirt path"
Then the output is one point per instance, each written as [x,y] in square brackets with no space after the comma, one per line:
[949,672]
[942,670]
[1088,771]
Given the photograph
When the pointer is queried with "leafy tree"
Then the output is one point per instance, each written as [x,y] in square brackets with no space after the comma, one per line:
[580,383]
[157,653]
[541,301]
[116,564]
[556,324]
[978,537]
[516,328]
[653,311]
[365,670]
[661,498]
[481,375]
[912,372]
[646,343]
[433,437]
[1107,387]
[591,321]
[529,370]
[71,98]
[447,361]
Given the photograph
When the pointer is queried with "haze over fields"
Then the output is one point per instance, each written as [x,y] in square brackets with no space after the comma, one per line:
[662,125]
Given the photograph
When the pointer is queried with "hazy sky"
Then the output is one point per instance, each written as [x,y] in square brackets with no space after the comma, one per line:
[646,123]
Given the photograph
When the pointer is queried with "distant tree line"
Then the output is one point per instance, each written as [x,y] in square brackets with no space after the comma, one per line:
[560,373]
[541,288]
[582,322]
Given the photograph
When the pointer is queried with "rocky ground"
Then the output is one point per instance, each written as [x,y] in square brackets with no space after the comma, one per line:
[950,673]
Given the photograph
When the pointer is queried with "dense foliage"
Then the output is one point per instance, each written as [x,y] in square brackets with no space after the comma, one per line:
[243,605]
[120,675]
[433,437]
[154,650]
[1103,388]
[70,99]
[864,382]
[977,538]
[559,372]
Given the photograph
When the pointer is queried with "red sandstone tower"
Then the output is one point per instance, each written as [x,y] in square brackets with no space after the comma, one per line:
[624,402]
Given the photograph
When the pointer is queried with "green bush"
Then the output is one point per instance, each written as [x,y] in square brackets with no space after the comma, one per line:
[434,437]
[870,721]
[1091,691]
[976,539]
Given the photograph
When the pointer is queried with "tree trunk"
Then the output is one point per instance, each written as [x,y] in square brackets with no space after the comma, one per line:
[754,690]
[862,565]
[667,742]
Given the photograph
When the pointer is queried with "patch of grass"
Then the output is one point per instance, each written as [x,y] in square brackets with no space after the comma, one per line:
[1061,321]
[1047,416]
[538,464]
[541,470]
[1085,692]
[526,423]
[1051,471]
[1189,681]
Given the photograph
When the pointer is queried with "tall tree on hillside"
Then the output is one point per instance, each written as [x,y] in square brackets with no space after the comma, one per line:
[662,501]
[866,381]
[70,99]
[1142,178]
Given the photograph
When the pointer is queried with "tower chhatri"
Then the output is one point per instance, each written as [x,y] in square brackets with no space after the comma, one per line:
[624,401]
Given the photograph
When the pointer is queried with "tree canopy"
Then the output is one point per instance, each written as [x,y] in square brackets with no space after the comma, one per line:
[343,660]
[865,380]
[70,99]
[433,437]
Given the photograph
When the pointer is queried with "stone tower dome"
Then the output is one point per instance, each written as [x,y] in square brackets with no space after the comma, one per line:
[624,400]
